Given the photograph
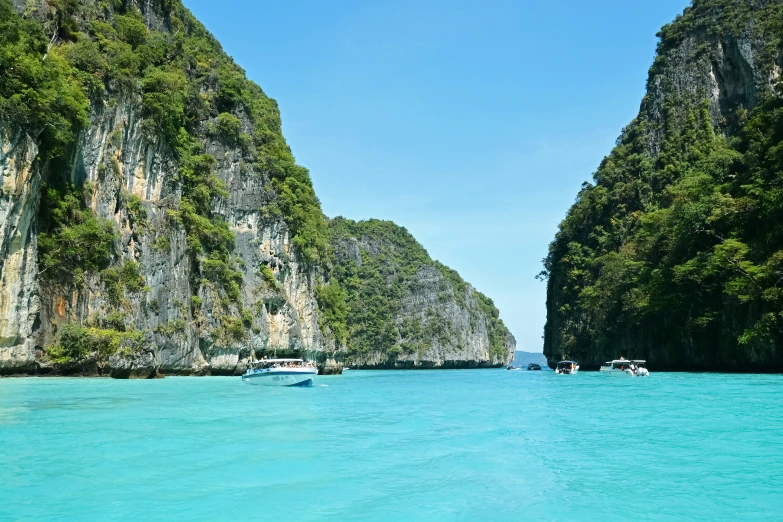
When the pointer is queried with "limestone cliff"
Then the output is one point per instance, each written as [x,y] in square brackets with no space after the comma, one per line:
[208,287]
[152,217]
[19,300]
[673,254]
[406,310]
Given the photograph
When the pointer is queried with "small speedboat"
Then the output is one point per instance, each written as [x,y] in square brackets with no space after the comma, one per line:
[566,368]
[533,366]
[280,372]
[622,366]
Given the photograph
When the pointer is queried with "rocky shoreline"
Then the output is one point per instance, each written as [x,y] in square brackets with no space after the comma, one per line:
[429,365]
[93,369]
[667,367]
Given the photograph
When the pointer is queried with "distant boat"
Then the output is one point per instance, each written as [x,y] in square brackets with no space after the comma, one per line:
[566,368]
[533,366]
[280,372]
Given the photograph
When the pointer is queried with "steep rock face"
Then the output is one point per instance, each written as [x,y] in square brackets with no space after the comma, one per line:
[144,170]
[407,311]
[670,255]
[730,69]
[153,220]
[284,316]
[19,301]
[181,309]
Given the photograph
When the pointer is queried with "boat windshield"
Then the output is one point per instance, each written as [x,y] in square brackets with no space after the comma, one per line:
[283,363]
[640,364]
[565,364]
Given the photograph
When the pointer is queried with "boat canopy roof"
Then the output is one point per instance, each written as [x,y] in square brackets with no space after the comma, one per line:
[626,361]
[566,362]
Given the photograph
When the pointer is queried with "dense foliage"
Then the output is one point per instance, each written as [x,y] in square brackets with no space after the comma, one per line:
[375,288]
[77,243]
[334,310]
[39,91]
[716,18]
[78,343]
[678,253]
[60,55]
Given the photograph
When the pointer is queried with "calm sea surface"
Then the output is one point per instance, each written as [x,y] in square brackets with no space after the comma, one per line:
[417,445]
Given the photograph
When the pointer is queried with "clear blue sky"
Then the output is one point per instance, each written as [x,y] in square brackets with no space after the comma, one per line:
[472,124]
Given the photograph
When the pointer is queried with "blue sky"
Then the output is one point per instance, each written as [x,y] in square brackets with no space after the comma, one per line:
[472,124]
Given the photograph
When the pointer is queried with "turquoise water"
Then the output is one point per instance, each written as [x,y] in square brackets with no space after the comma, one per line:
[422,445]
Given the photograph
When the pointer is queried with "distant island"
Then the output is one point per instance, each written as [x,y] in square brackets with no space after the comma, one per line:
[525,358]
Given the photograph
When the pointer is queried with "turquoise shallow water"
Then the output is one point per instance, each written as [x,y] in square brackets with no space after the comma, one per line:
[424,445]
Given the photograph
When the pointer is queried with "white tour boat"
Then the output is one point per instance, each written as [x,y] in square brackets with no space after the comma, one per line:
[281,372]
[633,368]
[567,368]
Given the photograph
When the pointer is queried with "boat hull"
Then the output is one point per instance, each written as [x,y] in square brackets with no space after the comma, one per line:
[281,378]
[624,373]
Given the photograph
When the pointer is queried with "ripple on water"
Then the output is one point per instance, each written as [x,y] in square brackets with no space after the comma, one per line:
[395,445]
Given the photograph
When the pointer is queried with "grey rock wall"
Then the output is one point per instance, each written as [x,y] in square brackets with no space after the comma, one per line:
[727,72]
[19,300]
[117,161]
[187,324]
[453,329]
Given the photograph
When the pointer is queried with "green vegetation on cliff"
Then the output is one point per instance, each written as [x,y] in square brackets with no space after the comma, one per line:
[377,265]
[39,90]
[60,56]
[160,164]
[676,251]
[78,242]
[63,61]
[77,344]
